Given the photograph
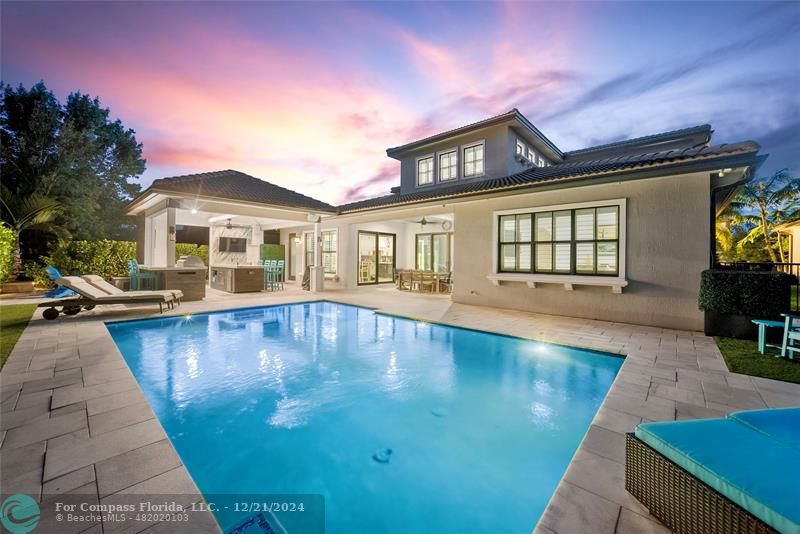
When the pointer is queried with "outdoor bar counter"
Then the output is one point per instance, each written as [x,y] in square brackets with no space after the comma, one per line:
[190,280]
[237,278]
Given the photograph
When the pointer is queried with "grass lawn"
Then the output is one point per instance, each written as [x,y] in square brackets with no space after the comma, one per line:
[742,356]
[13,319]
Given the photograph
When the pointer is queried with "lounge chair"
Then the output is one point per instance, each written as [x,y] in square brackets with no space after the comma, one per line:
[57,292]
[89,296]
[110,289]
[734,475]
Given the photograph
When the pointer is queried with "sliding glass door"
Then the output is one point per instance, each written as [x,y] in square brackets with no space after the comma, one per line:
[376,258]
[433,252]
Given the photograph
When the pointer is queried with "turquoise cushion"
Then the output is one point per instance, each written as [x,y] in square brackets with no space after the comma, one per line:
[751,469]
[782,424]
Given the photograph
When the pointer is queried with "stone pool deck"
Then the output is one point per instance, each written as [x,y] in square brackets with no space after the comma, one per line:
[75,421]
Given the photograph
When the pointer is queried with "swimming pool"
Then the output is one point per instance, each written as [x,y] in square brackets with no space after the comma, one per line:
[403,426]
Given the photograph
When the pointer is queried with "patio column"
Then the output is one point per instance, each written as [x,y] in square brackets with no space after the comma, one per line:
[171,237]
[316,271]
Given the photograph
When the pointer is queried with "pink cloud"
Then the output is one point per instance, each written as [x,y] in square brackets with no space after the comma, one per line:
[212,96]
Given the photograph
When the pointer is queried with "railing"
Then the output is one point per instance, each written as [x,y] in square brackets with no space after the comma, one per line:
[790,268]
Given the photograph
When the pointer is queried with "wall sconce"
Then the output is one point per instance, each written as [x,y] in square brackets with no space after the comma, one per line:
[172,233]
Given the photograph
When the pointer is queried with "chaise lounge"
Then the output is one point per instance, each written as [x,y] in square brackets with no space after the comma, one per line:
[110,289]
[89,296]
[739,474]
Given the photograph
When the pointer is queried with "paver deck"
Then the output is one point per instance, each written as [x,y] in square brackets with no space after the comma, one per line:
[74,420]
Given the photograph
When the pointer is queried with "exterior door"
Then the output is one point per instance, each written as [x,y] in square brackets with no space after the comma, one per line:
[376,258]
[433,252]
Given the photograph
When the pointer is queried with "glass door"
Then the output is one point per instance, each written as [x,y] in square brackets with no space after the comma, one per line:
[385,258]
[424,252]
[376,258]
[433,252]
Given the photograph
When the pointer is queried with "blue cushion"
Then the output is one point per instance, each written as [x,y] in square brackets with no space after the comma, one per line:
[751,469]
[781,424]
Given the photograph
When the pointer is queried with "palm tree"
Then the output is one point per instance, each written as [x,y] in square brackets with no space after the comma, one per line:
[32,212]
[773,200]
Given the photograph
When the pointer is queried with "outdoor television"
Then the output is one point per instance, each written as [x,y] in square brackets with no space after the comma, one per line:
[232,244]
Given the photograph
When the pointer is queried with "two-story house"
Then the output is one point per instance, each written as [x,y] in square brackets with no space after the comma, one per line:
[618,232]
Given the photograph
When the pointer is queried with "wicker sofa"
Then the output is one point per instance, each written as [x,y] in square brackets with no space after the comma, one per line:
[740,474]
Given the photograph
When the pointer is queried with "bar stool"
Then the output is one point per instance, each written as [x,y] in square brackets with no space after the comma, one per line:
[279,271]
[139,279]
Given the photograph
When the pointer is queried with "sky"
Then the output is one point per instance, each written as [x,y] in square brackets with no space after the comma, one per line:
[310,95]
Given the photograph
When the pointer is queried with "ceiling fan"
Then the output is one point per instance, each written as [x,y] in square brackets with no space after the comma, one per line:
[229,225]
[422,222]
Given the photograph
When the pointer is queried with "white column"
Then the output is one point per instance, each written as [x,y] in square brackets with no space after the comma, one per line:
[317,245]
[316,271]
[171,237]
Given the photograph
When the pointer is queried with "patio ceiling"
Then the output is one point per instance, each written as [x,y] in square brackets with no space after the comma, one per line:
[207,218]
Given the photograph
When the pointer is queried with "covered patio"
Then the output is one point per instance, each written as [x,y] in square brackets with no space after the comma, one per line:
[239,218]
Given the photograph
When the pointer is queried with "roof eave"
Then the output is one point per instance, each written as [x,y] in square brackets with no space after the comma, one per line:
[749,159]
[514,114]
[133,206]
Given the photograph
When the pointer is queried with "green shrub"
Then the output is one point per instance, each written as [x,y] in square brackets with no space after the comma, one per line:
[750,293]
[105,257]
[190,249]
[33,270]
[7,245]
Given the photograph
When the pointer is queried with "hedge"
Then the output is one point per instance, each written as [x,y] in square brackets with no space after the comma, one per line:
[7,247]
[750,293]
[106,258]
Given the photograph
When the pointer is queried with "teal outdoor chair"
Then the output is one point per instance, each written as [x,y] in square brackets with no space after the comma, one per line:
[791,335]
[270,266]
[140,280]
[280,268]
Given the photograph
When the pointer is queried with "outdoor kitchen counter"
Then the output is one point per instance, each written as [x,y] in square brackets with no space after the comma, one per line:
[237,278]
[190,280]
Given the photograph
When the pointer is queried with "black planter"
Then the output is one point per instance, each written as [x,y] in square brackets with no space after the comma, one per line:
[738,326]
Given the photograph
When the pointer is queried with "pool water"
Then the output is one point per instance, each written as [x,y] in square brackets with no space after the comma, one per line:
[310,398]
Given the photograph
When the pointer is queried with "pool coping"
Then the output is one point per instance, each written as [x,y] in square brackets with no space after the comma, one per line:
[659,380]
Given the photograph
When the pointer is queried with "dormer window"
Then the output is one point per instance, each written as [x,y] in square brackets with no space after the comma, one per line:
[425,170]
[473,160]
[448,165]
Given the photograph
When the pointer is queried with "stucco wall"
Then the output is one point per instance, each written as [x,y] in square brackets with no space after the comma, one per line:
[667,248]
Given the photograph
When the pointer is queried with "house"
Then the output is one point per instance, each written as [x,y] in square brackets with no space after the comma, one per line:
[792,231]
[618,232]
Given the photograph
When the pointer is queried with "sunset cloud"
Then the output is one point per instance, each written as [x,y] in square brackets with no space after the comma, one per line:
[309,96]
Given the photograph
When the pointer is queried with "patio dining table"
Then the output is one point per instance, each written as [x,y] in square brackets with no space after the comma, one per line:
[416,274]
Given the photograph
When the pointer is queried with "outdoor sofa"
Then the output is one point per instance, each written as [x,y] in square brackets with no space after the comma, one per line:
[90,296]
[739,474]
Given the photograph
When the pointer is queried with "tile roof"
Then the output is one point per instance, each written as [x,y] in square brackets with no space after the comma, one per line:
[235,185]
[508,115]
[704,129]
[561,173]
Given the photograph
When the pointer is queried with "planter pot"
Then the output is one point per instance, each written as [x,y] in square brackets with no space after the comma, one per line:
[17,287]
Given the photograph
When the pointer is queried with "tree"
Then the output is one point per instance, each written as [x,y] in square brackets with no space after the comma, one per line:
[34,212]
[771,201]
[72,154]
